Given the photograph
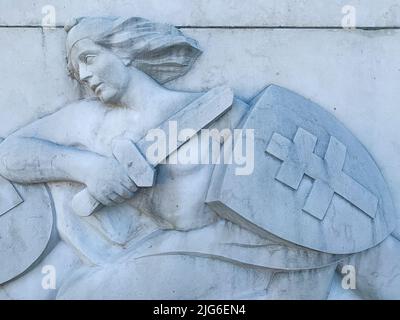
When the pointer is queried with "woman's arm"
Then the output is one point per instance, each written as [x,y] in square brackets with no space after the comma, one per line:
[43,150]
[37,153]
[32,160]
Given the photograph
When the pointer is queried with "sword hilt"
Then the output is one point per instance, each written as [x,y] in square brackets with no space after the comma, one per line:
[139,170]
[197,115]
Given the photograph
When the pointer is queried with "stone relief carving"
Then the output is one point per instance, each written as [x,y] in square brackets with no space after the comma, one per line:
[133,224]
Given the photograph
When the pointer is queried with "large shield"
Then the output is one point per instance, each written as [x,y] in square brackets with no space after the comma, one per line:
[26,227]
[313,183]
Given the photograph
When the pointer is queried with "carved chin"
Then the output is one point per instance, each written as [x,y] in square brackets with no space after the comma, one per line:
[108,95]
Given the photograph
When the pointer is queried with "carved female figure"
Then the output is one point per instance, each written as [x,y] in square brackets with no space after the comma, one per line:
[159,242]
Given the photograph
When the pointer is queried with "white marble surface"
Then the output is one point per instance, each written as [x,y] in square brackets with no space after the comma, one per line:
[303,13]
[352,74]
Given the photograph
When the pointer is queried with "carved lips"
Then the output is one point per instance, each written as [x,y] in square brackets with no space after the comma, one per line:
[96,87]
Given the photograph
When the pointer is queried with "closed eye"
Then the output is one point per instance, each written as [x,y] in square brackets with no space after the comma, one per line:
[88,59]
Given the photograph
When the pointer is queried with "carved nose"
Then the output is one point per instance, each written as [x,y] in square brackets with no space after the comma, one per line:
[84,73]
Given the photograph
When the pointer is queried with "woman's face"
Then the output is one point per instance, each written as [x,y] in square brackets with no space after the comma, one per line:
[101,70]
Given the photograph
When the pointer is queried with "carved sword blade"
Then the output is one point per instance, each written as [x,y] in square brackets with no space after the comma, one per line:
[196,116]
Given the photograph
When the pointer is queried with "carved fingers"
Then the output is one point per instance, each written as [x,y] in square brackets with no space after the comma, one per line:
[109,183]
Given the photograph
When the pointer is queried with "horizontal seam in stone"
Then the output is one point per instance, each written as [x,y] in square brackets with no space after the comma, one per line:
[241,27]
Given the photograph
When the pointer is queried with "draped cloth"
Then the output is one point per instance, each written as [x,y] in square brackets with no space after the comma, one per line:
[159,50]
[9,196]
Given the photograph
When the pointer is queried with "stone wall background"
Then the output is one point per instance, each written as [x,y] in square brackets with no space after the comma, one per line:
[301,45]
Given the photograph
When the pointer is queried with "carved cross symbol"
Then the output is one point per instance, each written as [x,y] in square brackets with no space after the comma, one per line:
[299,158]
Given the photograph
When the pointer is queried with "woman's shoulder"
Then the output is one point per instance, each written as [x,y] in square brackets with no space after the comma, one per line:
[84,105]
[77,111]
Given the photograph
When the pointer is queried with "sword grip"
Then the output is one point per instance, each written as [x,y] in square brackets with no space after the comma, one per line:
[84,204]
[139,170]
[133,157]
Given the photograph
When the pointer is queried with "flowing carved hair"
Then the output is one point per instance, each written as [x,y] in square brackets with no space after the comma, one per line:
[160,50]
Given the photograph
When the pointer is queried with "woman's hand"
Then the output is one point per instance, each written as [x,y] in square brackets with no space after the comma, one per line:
[108,182]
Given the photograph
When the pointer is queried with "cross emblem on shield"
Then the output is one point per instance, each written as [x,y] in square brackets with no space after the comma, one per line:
[299,159]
